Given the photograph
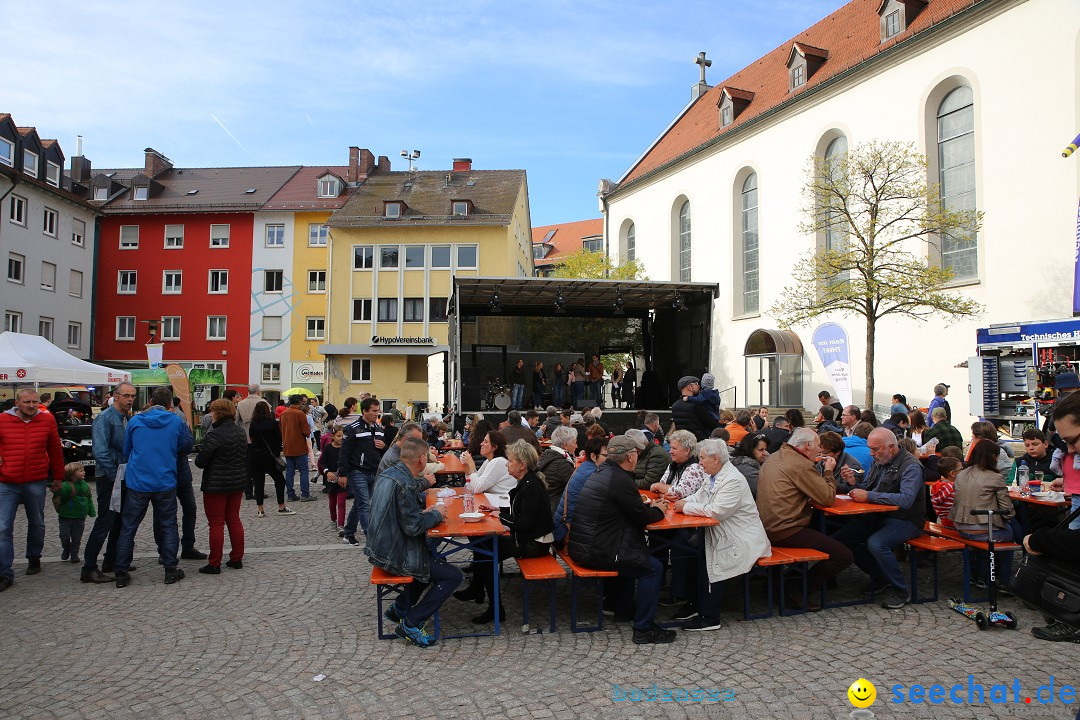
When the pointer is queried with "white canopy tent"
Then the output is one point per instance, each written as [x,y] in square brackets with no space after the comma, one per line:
[32,360]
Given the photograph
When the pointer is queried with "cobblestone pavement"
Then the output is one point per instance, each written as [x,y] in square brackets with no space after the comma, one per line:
[249,644]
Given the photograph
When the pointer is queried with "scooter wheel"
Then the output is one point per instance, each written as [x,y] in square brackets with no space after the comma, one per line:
[1011,624]
[980,620]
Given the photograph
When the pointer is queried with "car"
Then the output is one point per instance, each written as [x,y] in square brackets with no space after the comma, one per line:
[74,421]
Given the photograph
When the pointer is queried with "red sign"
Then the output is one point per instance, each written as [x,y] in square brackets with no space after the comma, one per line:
[20,373]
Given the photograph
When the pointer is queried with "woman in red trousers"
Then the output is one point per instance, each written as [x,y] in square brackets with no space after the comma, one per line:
[224,477]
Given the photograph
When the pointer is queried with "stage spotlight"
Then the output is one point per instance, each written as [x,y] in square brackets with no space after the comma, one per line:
[495,303]
[618,304]
[678,302]
[560,304]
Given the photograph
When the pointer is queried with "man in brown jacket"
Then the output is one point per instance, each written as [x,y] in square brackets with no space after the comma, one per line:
[295,434]
[788,483]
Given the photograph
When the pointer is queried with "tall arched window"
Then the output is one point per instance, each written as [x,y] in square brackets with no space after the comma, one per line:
[684,242]
[750,244]
[835,235]
[956,175]
[631,247]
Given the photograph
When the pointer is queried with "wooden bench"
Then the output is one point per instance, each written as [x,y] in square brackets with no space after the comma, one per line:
[938,530]
[801,559]
[930,544]
[580,572]
[385,583]
[765,563]
[539,569]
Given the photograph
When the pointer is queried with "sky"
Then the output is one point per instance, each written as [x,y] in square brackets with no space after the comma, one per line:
[571,92]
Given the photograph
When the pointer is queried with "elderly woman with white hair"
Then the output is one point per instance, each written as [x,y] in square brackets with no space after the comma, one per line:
[684,475]
[557,462]
[733,546]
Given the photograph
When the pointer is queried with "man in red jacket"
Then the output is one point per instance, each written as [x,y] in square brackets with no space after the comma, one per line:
[29,450]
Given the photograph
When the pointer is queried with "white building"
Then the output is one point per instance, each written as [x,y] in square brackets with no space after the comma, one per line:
[274,295]
[987,87]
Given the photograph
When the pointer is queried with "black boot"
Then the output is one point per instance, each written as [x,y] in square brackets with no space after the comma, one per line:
[474,591]
[489,615]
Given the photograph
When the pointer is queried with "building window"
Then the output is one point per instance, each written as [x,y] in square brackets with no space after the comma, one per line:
[75,284]
[392,210]
[593,244]
[129,237]
[271,327]
[101,193]
[271,372]
[388,257]
[835,235]
[219,282]
[171,282]
[17,213]
[437,310]
[956,177]
[387,309]
[539,251]
[361,370]
[316,281]
[684,242]
[273,281]
[16,268]
[174,237]
[126,282]
[363,257]
[7,152]
[275,236]
[48,276]
[631,243]
[52,174]
[466,257]
[726,115]
[142,192]
[78,232]
[316,328]
[219,236]
[750,245]
[329,187]
[215,327]
[460,208]
[361,310]
[798,76]
[12,321]
[45,328]
[48,222]
[125,328]
[440,256]
[414,257]
[170,327]
[74,335]
[414,310]
[317,235]
[892,24]
[30,163]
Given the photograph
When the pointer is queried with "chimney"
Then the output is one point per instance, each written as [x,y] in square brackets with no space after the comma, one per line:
[384,164]
[354,160]
[156,163]
[462,164]
[366,165]
[80,169]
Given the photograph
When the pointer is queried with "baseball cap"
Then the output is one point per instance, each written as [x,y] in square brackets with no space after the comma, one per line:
[621,444]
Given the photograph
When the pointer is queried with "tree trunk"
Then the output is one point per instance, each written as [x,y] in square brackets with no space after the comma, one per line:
[871,334]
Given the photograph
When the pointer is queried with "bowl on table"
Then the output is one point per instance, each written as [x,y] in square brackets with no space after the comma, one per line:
[472,517]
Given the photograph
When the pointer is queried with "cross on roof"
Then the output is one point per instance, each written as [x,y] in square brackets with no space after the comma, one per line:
[704,64]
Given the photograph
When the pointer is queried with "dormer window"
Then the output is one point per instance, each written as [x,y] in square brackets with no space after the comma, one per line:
[731,103]
[101,193]
[7,152]
[798,76]
[142,192]
[897,16]
[460,208]
[30,163]
[329,186]
[593,244]
[725,115]
[52,174]
[892,24]
[803,61]
[539,251]
[393,210]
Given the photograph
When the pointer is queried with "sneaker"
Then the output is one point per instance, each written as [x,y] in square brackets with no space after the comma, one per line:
[350,540]
[896,599]
[875,587]
[65,555]
[1058,632]
[235,564]
[6,582]
[286,511]
[33,566]
[122,579]
[687,612]
[654,635]
[192,554]
[291,497]
[173,575]
[209,569]
[260,514]
[392,613]
[415,635]
[341,531]
[307,498]
[76,559]
[701,623]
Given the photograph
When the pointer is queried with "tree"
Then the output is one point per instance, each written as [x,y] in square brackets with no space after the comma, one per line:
[871,207]
[592,265]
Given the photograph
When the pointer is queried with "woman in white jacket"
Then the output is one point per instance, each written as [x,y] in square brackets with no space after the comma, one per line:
[733,546]
[493,476]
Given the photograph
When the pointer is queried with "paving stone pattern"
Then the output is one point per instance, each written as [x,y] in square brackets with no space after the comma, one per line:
[248,644]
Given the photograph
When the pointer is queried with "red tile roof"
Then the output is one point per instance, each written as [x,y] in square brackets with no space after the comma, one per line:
[302,191]
[567,239]
[849,36]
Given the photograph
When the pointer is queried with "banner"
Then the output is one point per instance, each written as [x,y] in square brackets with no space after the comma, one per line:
[153,355]
[181,388]
[1076,266]
[831,342]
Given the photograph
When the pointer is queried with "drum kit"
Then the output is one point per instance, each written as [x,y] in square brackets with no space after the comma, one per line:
[497,396]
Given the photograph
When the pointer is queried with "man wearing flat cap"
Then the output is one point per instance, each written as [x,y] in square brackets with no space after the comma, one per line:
[691,416]
[939,401]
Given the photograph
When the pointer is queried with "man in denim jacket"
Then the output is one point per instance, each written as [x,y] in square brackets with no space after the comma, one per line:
[397,542]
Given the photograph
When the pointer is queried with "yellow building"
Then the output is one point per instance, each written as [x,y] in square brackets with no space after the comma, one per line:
[394,247]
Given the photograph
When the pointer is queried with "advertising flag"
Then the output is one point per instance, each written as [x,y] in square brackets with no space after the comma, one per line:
[831,341]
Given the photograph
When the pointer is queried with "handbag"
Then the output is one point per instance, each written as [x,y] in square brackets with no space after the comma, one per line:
[1052,585]
[117,488]
[278,460]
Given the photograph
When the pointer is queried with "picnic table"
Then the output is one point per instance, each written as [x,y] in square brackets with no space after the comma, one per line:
[1043,501]
[844,506]
[455,444]
[664,535]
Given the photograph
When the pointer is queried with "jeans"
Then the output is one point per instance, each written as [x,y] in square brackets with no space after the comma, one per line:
[577,392]
[558,392]
[223,509]
[132,514]
[360,482]
[32,497]
[598,392]
[445,579]
[71,532]
[1075,524]
[872,541]
[538,395]
[185,495]
[839,555]
[516,394]
[292,464]
[106,525]
[648,591]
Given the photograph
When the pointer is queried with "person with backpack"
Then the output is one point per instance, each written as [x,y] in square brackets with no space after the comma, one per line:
[74,502]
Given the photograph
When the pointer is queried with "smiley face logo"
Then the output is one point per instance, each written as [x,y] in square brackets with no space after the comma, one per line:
[862,693]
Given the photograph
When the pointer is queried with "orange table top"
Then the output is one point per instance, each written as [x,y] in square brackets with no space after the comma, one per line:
[677,520]
[1015,495]
[454,526]
[451,463]
[453,445]
[844,506]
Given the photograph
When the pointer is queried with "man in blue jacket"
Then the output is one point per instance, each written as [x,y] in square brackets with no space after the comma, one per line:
[361,450]
[152,442]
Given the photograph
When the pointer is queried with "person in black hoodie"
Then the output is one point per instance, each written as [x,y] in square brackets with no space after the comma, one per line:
[690,416]
[361,451]
[222,458]
[608,533]
[265,451]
